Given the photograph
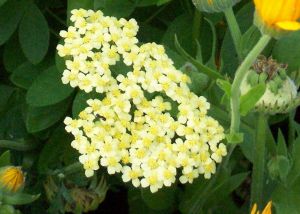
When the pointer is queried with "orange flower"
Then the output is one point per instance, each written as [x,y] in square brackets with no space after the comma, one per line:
[267,210]
[12,178]
[279,14]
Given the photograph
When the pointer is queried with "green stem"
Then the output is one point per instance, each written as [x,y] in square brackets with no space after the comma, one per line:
[234,30]
[21,145]
[257,184]
[239,76]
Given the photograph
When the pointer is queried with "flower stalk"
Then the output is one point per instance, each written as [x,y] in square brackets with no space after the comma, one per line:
[234,30]
[240,74]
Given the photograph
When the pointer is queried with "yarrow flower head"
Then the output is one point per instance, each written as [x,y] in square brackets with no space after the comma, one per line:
[126,131]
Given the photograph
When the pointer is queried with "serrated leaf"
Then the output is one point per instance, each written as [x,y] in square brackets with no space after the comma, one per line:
[5,159]
[10,15]
[34,34]
[249,100]
[40,118]
[49,82]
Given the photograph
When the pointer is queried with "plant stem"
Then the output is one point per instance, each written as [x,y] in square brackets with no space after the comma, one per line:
[239,76]
[259,161]
[234,30]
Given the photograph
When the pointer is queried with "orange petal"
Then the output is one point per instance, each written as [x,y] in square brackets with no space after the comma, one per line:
[290,26]
[268,208]
[254,208]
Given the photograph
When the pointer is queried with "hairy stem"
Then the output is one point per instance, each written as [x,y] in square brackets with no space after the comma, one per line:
[234,30]
[239,76]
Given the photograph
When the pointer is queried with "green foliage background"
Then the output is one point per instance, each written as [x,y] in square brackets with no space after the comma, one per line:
[34,103]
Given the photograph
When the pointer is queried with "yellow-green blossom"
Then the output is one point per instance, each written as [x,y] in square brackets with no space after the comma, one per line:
[125,132]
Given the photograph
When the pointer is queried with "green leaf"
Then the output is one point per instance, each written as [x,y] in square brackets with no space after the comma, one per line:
[235,138]
[24,75]
[79,103]
[2,2]
[287,50]
[12,56]
[7,209]
[181,27]
[286,198]
[225,86]
[10,15]
[40,118]
[281,147]
[249,100]
[117,8]
[249,40]
[55,149]
[228,185]
[202,68]
[34,34]
[48,89]
[5,159]
[5,93]
[19,198]
[295,170]
[161,200]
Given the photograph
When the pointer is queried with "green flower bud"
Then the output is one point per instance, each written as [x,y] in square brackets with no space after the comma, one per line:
[281,91]
[214,6]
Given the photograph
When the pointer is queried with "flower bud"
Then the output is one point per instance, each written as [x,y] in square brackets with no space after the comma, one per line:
[281,92]
[214,6]
[12,179]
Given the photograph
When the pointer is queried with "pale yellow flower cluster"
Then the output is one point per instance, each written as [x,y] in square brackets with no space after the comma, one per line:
[126,132]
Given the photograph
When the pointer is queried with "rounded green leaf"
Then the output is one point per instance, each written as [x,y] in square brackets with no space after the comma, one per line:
[287,50]
[24,75]
[48,89]
[41,118]
[10,15]
[34,34]
[12,56]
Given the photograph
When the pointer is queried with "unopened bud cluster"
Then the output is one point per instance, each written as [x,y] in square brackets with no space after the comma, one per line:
[281,92]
